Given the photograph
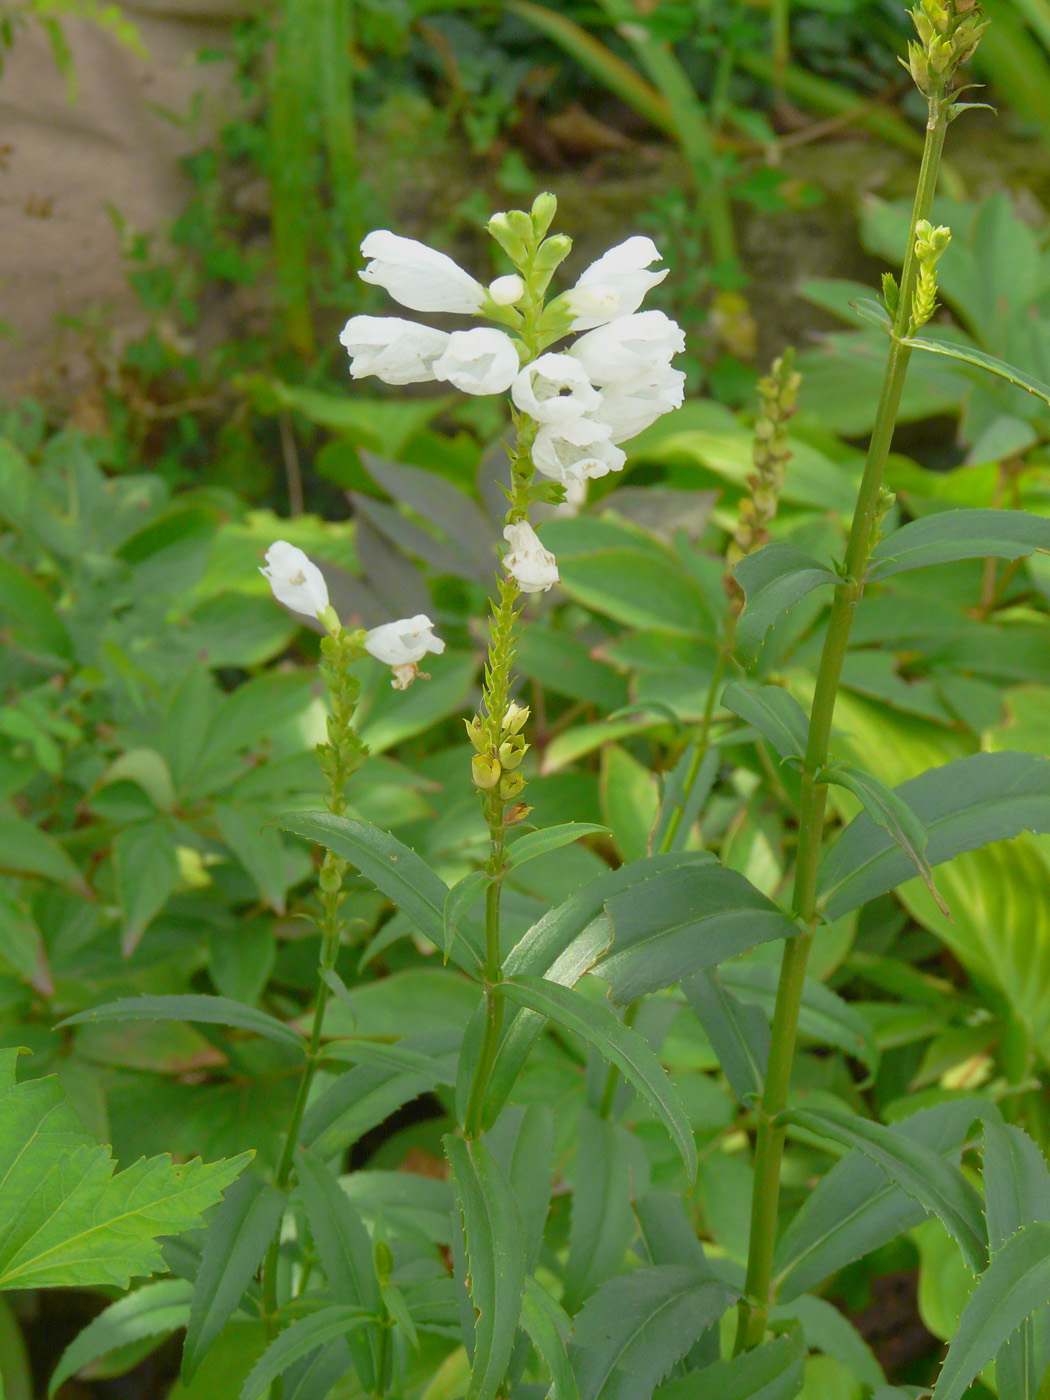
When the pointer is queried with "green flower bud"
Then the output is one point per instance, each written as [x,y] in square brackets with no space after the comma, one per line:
[510,785]
[329,620]
[475,733]
[508,239]
[384,1261]
[513,751]
[552,252]
[515,719]
[330,879]
[544,208]
[486,771]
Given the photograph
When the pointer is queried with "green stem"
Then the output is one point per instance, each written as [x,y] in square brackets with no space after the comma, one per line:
[493,973]
[769,1146]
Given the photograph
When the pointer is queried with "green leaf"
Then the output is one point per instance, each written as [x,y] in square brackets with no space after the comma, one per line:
[873,312]
[635,1328]
[345,1249]
[920,1172]
[146,875]
[65,1219]
[257,847]
[215,1011]
[630,798]
[971,356]
[824,1016]
[770,1372]
[773,578]
[618,1044]
[391,866]
[610,1169]
[950,535]
[538,843]
[26,850]
[776,715]
[155,1310]
[890,812]
[857,1207]
[690,918]
[964,804]
[239,1234]
[639,588]
[463,894]
[495,1255]
[299,1340]
[1014,1285]
[522,1141]
[739,1034]
[547,1325]
[376,1052]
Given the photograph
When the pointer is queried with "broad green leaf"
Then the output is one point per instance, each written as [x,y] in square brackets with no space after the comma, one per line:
[685,791]
[383,425]
[636,1327]
[857,1207]
[239,1234]
[257,847]
[610,1170]
[969,355]
[739,1033]
[155,1310]
[773,578]
[214,1011]
[920,1172]
[391,866]
[1016,1193]
[392,716]
[26,850]
[772,1371]
[538,843]
[891,813]
[618,1044]
[959,534]
[824,1016]
[547,1325]
[829,1331]
[693,917]
[22,944]
[670,1238]
[1014,1285]
[630,798]
[146,875]
[776,715]
[964,804]
[299,1340]
[495,1256]
[345,1249]
[66,1220]
[639,588]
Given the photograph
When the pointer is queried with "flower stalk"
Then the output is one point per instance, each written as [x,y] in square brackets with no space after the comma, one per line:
[948,32]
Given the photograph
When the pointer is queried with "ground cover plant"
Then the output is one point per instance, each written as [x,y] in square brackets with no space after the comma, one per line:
[586,988]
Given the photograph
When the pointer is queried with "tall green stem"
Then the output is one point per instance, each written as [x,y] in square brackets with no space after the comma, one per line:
[769,1146]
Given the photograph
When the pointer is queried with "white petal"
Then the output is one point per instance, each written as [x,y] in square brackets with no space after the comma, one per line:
[295,580]
[554,389]
[395,351]
[404,642]
[576,451]
[629,347]
[615,284]
[419,277]
[532,567]
[479,361]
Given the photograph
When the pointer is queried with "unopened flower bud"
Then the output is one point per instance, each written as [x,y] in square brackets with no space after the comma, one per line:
[384,1261]
[507,291]
[475,733]
[513,751]
[330,879]
[515,719]
[486,771]
[508,238]
[552,252]
[544,208]
[510,785]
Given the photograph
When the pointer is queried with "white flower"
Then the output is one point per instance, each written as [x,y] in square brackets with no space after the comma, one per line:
[479,361]
[402,645]
[576,451]
[628,409]
[629,347]
[418,276]
[615,284]
[532,567]
[396,351]
[296,582]
[554,389]
[507,291]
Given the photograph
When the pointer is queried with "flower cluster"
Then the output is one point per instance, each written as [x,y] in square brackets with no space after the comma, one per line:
[299,584]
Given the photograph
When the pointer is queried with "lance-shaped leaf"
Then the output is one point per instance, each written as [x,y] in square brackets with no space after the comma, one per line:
[636,1327]
[463,894]
[770,1372]
[921,1173]
[824,1016]
[394,869]
[964,804]
[888,810]
[299,1340]
[155,1310]
[538,843]
[739,1033]
[547,1325]
[776,715]
[1014,1285]
[66,1220]
[495,1260]
[773,578]
[610,1170]
[971,356]
[872,311]
[691,918]
[959,534]
[239,1234]
[618,1044]
[214,1011]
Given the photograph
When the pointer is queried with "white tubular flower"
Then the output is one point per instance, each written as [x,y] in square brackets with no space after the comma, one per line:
[402,645]
[576,451]
[628,409]
[533,568]
[395,351]
[629,347]
[615,284]
[479,361]
[295,581]
[419,277]
[507,291]
[554,389]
